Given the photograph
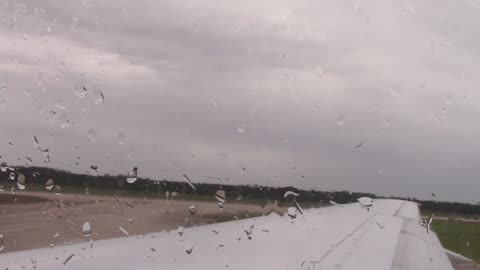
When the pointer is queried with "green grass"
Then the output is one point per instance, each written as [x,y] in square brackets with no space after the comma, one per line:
[455,235]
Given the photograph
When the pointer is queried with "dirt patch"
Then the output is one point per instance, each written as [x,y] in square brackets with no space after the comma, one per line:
[40,219]
[9,199]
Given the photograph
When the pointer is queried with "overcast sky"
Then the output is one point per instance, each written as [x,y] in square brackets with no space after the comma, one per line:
[281,88]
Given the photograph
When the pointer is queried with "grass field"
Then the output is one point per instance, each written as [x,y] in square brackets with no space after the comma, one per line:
[460,237]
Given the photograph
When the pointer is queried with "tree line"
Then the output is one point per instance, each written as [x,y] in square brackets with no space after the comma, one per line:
[157,188]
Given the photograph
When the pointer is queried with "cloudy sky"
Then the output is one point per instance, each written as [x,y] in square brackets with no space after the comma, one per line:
[284,89]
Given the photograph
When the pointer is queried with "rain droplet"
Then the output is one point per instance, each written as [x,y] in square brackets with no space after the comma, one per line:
[11,176]
[57,189]
[92,135]
[290,193]
[36,143]
[299,209]
[86,228]
[80,90]
[220,195]
[21,181]
[57,234]
[67,259]
[242,128]
[63,120]
[46,153]
[180,231]
[121,138]
[49,184]
[292,212]
[192,209]
[94,169]
[3,166]
[124,231]
[336,204]
[99,99]
[132,176]
[189,182]
[249,232]
[188,248]
[60,104]
[365,202]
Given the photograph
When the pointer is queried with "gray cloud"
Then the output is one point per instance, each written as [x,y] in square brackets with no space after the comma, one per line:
[307,81]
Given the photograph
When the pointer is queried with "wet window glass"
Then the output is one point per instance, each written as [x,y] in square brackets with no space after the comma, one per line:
[239,134]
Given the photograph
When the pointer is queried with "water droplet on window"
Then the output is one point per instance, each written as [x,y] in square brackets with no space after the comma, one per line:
[11,176]
[132,176]
[60,105]
[292,212]
[124,231]
[188,247]
[192,209]
[49,184]
[21,181]
[242,128]
[94,169]
[365,202]
[220,195]
[99,98]
[121,138]
[35,142]
[57,189]
[63,120]
[290,193]
[180,231]
[86,228]
[189,182]
[80,90]
[46,153]
[68,259]
[299,209]
[57,234]
[92,135]
[11,144]
[249,232]
[3,166]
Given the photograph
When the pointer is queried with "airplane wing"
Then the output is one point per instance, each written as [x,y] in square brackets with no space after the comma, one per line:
[388,236]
